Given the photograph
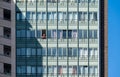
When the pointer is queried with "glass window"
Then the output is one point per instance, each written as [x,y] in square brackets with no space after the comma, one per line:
[22,51]
[74,34]
[90,16]
[60,70]
[18,51]
[28,69]
[80,16]
[18,33]
[90,34]
[85,16]
[49,16]
[39,16]
[75,52]
[79,70]
[70,52]
[64,52]
[80,34]
[18,16]
[49,33]
[95,34]
[60,52]
[59,34]
[70,15]
[39,51]
[33,51]
[91,52]
[75,16]
[64,15]
[32,33]
[28,33]
[85,70]
[33,70]
[18,69]
[91,70]
[23,16]
[81,52]
[54,33]
[54,52]
[38,33]
[54,15]
[69,34]
[22,33]
[95,16]
[65,69]
[70,70]
[43,16]
[95,70]
[86,52]
[55,69]
[43,34]
[85,34]
[74,70]
[64,34]
[33,16]
[60,16]
[43,51]
[44,70]
[96,51]
[28,15]
[49,51]
[39,69]
[28,52]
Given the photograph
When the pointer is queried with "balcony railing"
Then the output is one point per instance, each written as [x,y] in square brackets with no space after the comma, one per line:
[60,4]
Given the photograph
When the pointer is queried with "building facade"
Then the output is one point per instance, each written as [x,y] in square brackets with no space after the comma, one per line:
[7,38]
[53,38]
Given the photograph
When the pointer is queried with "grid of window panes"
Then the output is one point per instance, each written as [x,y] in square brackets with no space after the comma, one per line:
[57,38]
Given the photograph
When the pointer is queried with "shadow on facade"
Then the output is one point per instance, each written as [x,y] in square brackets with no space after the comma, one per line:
[30,62]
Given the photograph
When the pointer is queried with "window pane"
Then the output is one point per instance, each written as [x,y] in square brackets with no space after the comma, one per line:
[75,52]
[64,52]
[49,33]
[60,52]
[69,33]
[70,52]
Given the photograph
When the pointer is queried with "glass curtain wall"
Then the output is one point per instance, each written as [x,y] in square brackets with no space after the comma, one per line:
[57,38]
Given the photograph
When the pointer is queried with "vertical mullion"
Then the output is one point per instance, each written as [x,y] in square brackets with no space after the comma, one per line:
[26,35]
[57,38]
[67,41]
[78,37]
[36,37]
[88,38]
[47,33]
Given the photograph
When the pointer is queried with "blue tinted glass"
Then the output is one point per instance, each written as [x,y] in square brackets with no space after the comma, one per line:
[60,51]
[80,34]
[64,33]
[54,51]
[74,51]
[85,34]
[59,34]
[28,15]
[38,33]
[64,52]
[49,33]
[90,33]
[69,33]
[70,52]
[43,51]
[95,34]
[39,51]
[54,33]
[49,51]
